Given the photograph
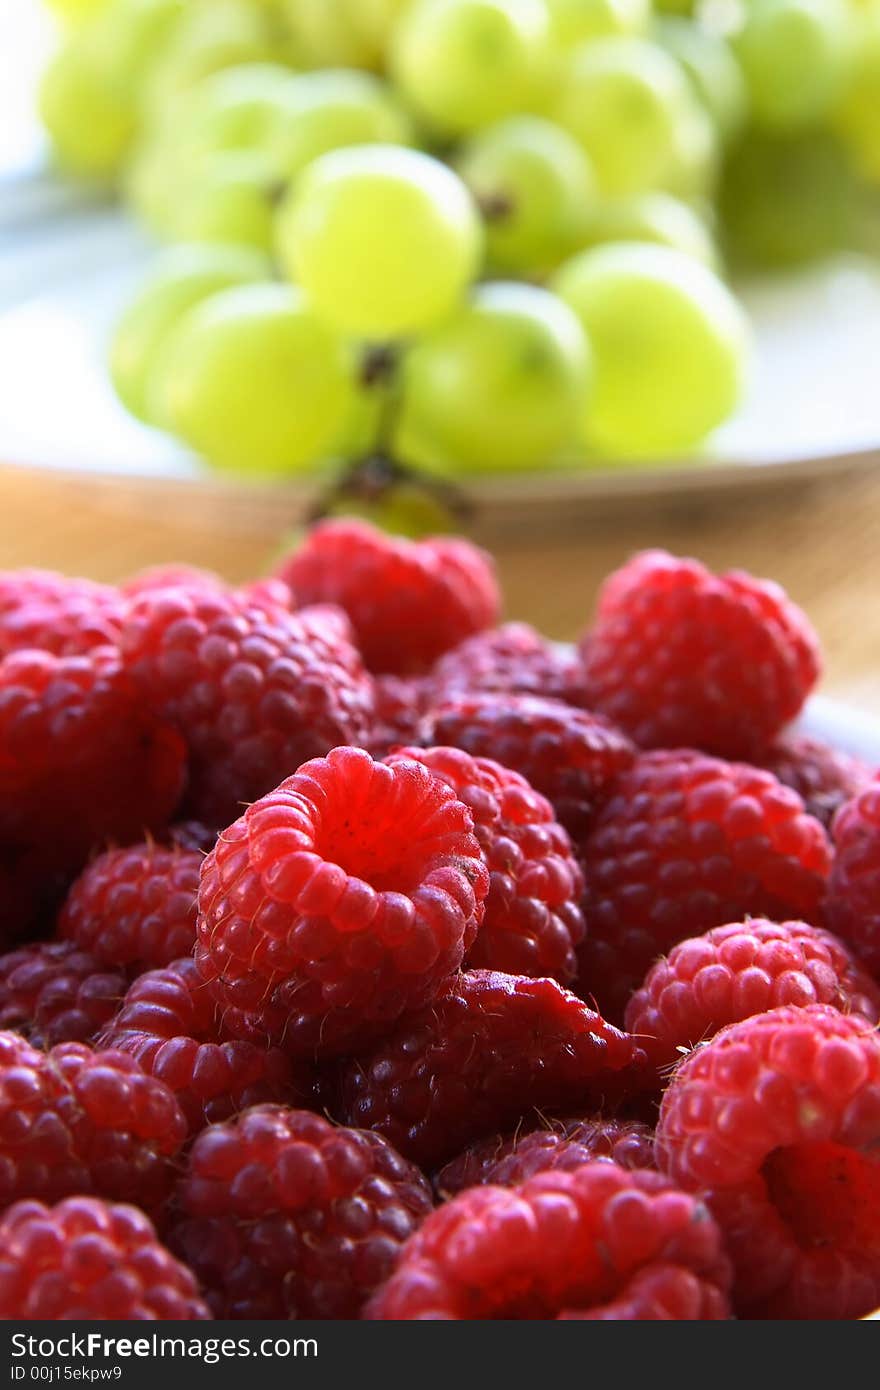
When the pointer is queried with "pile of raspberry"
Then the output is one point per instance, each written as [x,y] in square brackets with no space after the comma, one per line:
[362,956]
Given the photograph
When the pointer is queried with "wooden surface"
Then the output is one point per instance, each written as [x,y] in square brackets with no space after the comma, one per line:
[821,541]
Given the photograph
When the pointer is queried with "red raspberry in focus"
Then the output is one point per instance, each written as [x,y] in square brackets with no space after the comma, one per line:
[54,992]
[491,1050]
[345,897]
[533,920]
[284,1215]
[682,657]
[75,1121]
[401,703]
[67,617]
[823,777]
[560,1145]
[254,693]
[736,971]
[171,1026]
[135,907]
[777,1122]
[85,1259]
[688,842]
[571,757]
[852,909]
[597,1242]
[409,601]
[511,660]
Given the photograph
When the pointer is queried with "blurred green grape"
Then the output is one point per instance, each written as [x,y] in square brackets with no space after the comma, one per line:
[711,65]
[573,21]
[324,111]
[857,114]
[652,217]
[794,57]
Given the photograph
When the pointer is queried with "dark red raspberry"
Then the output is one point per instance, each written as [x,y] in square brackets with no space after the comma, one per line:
[491,1050]
[853,906]
[533,920]
[739,970]
[571,757]
[409,601]
[511,660]
[401,703]
[67,617]
[688,842]
[171,1026]
[777,1120]
[77,1121]
[682,657]
[88,1260]
[560,1145]
[823,777]
[597,1242]
[284,1215]
[54,992]
[135,907]
[158,577]
[254,693]
[345,897]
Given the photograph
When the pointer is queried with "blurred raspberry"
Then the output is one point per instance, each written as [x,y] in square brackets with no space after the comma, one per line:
[682,657]
[409,601]
[823,777]
[283,1215]
[53,992]
[158,577]
[67,617]
[339,901]
[401,703]
[777,1122]
[511,660]
[852,909]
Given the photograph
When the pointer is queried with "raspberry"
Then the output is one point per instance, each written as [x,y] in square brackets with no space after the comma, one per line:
[853,906]
[77,1121]
[492,1049]
[511,660]
[401,703]
[570,756]
[533,920]
[688,842]
[599,1242]
[54,992]
[343,898]
[283,1215]
[67,617]
[823,777]
[777,1119]
[85,1259]
[159,577]
[268,593]
[736,971]
[680,656]
[170,1025]
[253,693]
[560,1145]
[135,907]
[409,601]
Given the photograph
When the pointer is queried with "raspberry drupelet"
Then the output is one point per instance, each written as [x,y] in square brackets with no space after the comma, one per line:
[409,601]
[852,909]
[136,907]
[344,898]
[89,1260]
[75,1120]
[532,922]
[679,656]
[599,1242]
[491,1050]
[54,992]
[571,757]
[777,1122]
[170,1025]
[253,692]
[513,659]
[401,703]
[282,1214]
[688,842]
[68,617]
[823,777]
[736,971]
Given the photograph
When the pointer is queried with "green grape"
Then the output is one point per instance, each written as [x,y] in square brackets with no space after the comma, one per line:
[651,217]
[670,345]
[462,64]
[794,57]
[627,102]
[233,109]
[383,239]
[253,380]
[857,115]
[229,198]
[709,62]
[573,21]
[534,185]
[91,121]
[343,33]
[501,385]
[182,278]
[324,111]
[128,37]
[75,11]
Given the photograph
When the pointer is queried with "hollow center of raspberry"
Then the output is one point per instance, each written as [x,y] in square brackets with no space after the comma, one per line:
[386,851]
[827,1194]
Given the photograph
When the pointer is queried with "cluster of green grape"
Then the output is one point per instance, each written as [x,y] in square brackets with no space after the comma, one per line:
[472,235]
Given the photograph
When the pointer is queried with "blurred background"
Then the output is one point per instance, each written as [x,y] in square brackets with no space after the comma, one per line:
[575,276]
